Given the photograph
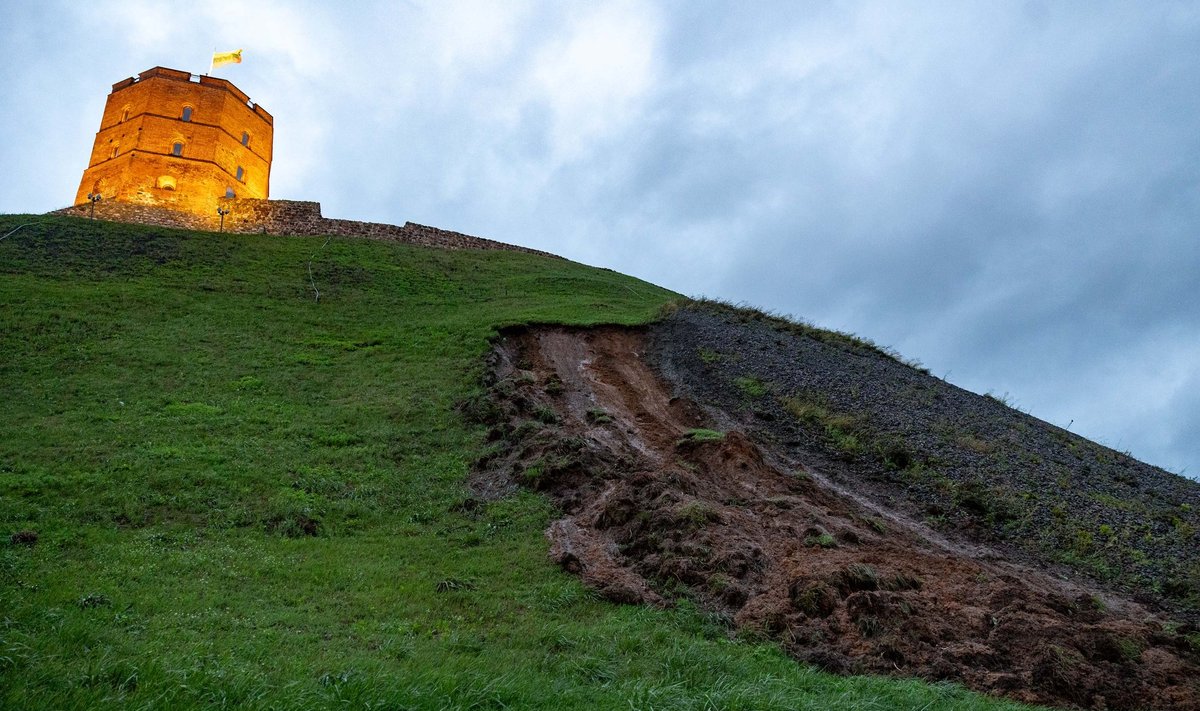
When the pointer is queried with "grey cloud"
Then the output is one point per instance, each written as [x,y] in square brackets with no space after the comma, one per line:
[1009,193]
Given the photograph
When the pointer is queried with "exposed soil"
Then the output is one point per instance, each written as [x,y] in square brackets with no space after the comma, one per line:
[656,507]
[970,466]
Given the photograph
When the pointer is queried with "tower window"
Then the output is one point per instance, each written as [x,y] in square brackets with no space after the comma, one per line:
[115,150]
[124,114]
[187,113]
[229,193]
[245,138]
[241,174]
[177,149]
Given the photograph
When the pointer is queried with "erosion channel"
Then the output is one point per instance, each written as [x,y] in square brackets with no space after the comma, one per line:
[662,497]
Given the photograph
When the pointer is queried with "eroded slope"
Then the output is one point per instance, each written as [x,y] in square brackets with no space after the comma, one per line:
[970,466]
[661,498]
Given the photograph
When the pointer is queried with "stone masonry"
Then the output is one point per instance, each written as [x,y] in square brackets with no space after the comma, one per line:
[175,140]
[287,217]
[178,150]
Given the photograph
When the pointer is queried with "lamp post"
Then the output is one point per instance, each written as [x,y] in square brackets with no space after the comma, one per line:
[222,211]
[93,198]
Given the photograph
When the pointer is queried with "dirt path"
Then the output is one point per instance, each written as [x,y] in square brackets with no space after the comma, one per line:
[655,507]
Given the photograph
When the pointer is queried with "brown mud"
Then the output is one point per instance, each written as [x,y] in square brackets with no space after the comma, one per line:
[656,507]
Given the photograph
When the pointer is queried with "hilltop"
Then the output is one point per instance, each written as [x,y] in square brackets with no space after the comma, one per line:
[220,491]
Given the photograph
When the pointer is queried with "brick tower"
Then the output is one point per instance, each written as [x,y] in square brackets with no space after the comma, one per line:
[172,140]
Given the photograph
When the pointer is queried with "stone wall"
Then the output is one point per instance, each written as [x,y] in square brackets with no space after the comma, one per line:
[288,217]
[113,211]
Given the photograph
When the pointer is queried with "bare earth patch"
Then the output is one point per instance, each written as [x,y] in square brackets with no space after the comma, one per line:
[659,503]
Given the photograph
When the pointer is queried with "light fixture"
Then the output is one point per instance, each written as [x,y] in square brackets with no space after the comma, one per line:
[94,198]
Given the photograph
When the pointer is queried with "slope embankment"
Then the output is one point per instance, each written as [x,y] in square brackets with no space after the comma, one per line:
[670,487]
[969,466]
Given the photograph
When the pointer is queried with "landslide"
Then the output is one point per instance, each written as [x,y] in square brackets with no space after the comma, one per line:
[705,458]
[970,466]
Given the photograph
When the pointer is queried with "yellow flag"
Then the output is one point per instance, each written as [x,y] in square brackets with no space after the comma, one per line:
[222,58]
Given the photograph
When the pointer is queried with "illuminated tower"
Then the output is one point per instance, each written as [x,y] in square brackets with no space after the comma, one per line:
[178,141]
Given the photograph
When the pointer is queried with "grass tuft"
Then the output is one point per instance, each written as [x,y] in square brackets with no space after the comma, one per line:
[702,435]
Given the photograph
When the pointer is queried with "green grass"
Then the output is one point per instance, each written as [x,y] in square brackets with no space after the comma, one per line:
[244,498]
[845,432]
[789,323]
[751,387]
[702,435]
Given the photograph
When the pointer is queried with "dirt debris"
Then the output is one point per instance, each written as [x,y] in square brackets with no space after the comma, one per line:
[973,467]
[658,504]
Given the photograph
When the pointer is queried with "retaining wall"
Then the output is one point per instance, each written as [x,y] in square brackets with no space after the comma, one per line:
[288,217]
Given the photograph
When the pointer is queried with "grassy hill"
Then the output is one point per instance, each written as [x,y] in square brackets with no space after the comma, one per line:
[219,492]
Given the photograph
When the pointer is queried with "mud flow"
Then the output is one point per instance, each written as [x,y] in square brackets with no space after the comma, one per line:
[658,502]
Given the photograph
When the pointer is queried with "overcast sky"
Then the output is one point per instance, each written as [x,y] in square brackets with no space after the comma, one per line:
[1008,192]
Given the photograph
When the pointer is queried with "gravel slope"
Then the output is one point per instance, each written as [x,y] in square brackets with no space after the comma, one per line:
[969,465]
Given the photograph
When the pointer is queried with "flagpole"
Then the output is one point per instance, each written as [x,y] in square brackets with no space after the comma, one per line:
[212,58]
